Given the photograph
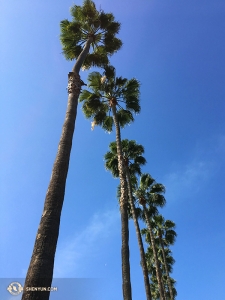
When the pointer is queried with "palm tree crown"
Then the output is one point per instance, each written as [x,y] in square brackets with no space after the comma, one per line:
[97,27]
[164,230]
[133,159]
[150,192]
[108,92]
[132,155]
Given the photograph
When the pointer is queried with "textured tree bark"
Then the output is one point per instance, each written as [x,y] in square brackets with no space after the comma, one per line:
[158,273]
[166,268]
[140,242]
[40,271]
[127,294]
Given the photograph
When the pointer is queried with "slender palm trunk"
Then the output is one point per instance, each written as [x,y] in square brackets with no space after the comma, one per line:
[139,237]
[164,289]
[158,273]
[40,271]
[166,269]
[127,294]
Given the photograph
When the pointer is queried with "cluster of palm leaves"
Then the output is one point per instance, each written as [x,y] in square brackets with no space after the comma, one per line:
[89,27]
[109,101]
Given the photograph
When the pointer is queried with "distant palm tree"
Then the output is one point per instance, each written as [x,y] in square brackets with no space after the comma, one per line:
[150,193]
[165,259]
[133,159]
[114,100]
[155,288]
[88,27]
[164,231]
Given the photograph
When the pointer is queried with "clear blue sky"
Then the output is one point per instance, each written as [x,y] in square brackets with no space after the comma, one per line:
[176,50]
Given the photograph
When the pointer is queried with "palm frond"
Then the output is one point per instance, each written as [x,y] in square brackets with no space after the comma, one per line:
[114,27]
[146,180]
[133,105]
[169,224]
[125,117]
[120,81]
[77,13]
[89,10]
[96,59]
[140,160]
[99,117]
[156,199]
[107,123]
[113,148]
[111,164]
[94,81]
[132,88]
[109,72]
[112,44]
[105,20]
[70,37]
[158,188]
[84,95]
[135,168]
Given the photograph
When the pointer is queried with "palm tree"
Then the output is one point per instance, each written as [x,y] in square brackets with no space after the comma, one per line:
[133,159]
[88,27]
[150,192]
[155,288]
[164,259]
[109,95]
[164,231]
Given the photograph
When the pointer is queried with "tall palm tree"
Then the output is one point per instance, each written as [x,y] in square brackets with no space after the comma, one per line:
[133,159]
[104,104]
[164,259]
[164,231]
[150,192]
[155,288]
[88,27]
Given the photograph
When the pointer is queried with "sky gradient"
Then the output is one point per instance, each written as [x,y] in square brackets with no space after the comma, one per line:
[176,50]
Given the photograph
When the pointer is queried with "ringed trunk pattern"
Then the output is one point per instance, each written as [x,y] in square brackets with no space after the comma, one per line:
[40,271]
[140,242]
[158,273]
[127,294]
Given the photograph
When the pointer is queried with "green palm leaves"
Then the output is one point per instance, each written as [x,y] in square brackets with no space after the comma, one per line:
[132,155]
[164,230]
[90,24]
[150,192]
[107,91]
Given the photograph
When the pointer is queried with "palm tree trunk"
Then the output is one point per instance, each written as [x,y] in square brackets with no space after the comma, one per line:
[164,289]
[82,56]
[40,271]
[140,242]
[166,268]
[158,273]
[127,295]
